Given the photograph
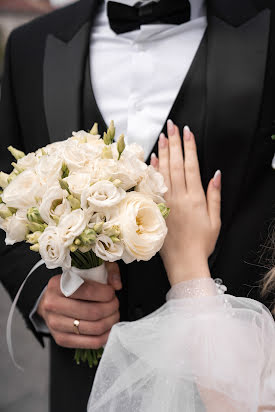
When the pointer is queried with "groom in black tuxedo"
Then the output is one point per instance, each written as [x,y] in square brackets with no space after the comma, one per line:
[227,97]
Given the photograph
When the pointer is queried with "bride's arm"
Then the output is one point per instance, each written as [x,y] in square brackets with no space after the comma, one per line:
[193,228]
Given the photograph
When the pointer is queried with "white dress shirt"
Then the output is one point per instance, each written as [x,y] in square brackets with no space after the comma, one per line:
[137,75]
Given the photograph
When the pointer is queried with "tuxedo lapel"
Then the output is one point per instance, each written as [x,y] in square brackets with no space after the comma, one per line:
[236,66]
[63,72]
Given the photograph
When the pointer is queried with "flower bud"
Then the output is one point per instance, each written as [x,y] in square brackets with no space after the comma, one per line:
[94,129]
[35,248]
[107,139]
[17,154]
[4,180]
[113,231]
[5,213]
[106,153]
[33,237]
[77,242]
[65,170]
[73,248]
[115,239]
[64,185]
[12,176]
[98,227]
[87,237]
[17,168]
[1,191]
[120,145]
[33,215]
[74,202]
[164,210]
[36,227]
[111,131]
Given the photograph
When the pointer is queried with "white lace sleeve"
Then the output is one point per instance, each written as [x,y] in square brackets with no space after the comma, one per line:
[201,351]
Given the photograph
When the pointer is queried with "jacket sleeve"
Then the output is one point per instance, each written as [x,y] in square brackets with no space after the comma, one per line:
[16,261]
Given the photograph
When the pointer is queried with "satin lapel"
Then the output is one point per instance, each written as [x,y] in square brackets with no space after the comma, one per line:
[235,79]
[63,77]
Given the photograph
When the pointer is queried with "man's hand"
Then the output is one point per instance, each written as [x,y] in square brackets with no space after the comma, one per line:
[95,305]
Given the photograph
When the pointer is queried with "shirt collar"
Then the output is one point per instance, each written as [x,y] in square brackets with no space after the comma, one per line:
[198,8]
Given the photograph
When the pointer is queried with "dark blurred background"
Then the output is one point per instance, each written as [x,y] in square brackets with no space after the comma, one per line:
[21,391]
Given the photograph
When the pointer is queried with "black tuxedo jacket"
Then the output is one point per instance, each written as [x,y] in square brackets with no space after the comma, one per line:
[42,101]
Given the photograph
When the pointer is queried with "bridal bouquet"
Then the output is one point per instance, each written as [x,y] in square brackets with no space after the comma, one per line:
[81,202]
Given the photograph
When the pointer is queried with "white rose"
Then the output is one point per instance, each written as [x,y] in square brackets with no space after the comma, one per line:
[102,195]
[72,225]
[49,170]
[74,155]
[17,227]
[54,203]
[143,228]
[152,184]
[106,249]
[52,249]
[21,193]
[78,182]
[28,162]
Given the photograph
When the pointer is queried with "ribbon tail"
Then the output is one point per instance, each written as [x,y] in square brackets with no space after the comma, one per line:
[70,282]
[11,313]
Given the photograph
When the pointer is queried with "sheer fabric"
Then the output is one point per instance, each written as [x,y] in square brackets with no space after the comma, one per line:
[201,351]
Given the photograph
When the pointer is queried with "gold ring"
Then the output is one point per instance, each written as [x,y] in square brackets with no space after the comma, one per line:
[76,327]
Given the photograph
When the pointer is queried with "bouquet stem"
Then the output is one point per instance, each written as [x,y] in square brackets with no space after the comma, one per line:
[87,260]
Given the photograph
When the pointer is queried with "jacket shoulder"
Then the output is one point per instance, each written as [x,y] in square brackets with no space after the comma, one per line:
[59,22]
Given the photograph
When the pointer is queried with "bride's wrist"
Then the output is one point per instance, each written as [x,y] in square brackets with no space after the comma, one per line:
[180,272]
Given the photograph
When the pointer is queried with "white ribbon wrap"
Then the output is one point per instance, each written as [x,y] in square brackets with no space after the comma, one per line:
[73,278]
[10,317]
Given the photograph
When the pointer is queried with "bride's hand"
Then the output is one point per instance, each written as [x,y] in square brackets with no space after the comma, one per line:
[194,221]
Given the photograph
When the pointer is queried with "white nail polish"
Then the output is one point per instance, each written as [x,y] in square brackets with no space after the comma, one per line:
[216,178]
[153,155]
[186,128]
[217,173]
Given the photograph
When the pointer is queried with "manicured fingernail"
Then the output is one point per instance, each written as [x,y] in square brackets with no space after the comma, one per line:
[162,141]
[153,156]
[217,179]
[170,127]
[186,133]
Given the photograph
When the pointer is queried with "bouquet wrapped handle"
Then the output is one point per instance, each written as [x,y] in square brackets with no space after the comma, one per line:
[72,278]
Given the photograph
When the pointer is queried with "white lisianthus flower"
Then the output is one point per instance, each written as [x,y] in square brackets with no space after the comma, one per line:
[28,162]
[52,249]
[153,185]
[143,228]
[49,170]
[72,225]
[105,169]
[102,195]
[16,229]
[84,137]
[21,193]
[54,203]
[106,249]
[78,182]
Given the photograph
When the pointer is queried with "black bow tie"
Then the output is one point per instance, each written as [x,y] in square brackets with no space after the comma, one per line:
[123,18]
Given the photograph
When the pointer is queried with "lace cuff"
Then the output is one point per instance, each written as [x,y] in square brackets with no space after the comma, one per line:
[196,288]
